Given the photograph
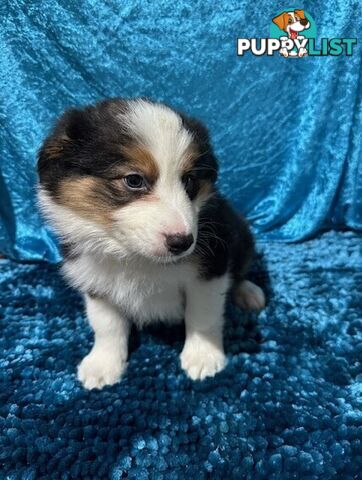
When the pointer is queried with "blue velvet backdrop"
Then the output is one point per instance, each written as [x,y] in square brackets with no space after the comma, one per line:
[286,131]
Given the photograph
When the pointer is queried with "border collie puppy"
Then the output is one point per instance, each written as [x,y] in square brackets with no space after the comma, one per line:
[129,185]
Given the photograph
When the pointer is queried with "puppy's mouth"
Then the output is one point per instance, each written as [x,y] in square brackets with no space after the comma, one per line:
[293,34]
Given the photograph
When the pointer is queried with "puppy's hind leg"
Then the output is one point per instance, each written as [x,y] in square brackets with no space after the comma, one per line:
[249,296]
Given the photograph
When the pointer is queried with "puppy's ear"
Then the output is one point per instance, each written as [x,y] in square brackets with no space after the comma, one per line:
[300,13]
[78,124]
[53,147]
[73,127]
[59,151]
[281,20]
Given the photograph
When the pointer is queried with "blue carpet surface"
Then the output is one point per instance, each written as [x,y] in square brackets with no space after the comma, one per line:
[288,405]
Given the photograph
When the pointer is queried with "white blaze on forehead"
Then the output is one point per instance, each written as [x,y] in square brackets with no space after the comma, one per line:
[160,130]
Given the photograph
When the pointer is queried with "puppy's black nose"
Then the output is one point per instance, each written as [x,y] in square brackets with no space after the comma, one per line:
[179,243]
[304,21]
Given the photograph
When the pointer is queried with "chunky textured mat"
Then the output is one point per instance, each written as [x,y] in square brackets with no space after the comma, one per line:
[287,406]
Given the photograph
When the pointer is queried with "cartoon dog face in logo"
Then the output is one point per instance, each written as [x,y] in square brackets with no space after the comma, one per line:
[293,23]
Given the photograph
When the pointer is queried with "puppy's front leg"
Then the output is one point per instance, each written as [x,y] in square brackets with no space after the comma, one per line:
[203,352]
[106,361]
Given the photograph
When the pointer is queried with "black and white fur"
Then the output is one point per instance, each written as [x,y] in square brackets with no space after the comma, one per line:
[124,266]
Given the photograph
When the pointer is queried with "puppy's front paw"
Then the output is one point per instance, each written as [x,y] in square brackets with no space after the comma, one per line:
[201,358]
[100,368]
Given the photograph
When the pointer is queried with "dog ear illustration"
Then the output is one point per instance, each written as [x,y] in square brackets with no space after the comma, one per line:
[300,13]
[281,20]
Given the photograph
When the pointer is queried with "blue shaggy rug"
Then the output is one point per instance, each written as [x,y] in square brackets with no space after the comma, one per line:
[288,405]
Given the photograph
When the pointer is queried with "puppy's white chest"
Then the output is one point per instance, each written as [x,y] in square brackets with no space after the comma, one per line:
[150,296]
[161,300]
[145,294]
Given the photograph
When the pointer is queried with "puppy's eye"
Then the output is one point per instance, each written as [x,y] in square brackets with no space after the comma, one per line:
[188,181]
[134,182]
[290,20]
[190,184]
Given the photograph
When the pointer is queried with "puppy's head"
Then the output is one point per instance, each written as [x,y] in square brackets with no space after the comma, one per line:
[292,22]
[127,177]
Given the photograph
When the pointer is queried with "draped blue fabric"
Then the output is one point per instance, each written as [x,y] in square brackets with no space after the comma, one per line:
[287,132]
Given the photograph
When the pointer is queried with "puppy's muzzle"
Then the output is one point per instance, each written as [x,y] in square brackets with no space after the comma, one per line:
[179,243]
[304,21]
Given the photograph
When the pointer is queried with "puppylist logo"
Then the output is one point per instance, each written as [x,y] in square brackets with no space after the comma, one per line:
[293,35]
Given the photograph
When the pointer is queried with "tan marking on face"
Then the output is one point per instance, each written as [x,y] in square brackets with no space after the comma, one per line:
[142,161]
[150,197]
[204,190]
[88,197]
[191,156]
